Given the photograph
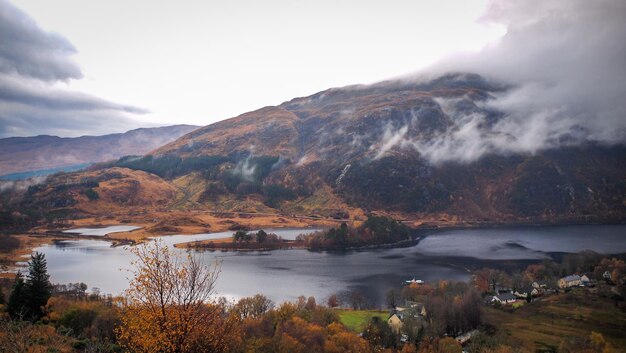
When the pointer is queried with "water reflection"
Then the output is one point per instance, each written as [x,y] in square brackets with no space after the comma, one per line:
[286,274]
[524,242]
[100,232]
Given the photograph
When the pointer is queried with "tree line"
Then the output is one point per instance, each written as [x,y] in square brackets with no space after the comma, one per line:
[376,230]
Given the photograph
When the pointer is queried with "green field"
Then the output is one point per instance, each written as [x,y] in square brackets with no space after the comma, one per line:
[542,325]
[356,320]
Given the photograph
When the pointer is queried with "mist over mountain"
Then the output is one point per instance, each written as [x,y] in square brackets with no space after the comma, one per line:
[415,147]
[564,62]
[21,154]
[350,151]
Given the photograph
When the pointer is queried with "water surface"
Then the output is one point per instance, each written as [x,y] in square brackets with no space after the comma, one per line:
[286,274]
[102,231]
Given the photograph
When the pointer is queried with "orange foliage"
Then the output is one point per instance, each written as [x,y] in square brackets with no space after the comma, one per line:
[27,338]
[443,345]
[168,305]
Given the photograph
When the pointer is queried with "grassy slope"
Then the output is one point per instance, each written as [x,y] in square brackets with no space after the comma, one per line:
[544,324]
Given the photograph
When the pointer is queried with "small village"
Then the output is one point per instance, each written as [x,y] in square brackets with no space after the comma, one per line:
[405,319]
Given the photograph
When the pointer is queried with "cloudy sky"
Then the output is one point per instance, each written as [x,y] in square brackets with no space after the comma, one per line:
[74,67]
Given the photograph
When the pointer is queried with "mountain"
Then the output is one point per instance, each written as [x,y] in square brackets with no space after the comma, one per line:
[346,152]
[25,154]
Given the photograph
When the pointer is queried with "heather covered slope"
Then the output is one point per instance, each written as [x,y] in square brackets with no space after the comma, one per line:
[378,148]
[391,147]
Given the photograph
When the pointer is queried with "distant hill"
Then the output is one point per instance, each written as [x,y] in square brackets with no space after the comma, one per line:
[44,172]
[26,154]
[345,152]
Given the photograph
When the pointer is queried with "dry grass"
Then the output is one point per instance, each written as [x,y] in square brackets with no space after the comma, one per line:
[542,325]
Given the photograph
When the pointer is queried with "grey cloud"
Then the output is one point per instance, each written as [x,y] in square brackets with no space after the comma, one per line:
[32,61]
[565,62]
[27,120]
[28,92]
[28,50]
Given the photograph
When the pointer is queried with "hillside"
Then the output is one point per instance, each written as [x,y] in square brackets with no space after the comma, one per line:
[346,152]
[22,154]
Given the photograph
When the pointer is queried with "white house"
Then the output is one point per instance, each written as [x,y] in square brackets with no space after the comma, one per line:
[570,281]
[504,298]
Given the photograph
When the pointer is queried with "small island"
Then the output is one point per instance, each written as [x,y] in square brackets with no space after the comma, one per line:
[375,231]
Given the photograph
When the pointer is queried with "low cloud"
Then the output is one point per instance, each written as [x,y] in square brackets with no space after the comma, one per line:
[564,61]
[244,169]
[20,185]
[392,138]
[32,62]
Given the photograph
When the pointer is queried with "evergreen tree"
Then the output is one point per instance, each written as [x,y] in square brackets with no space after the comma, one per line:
[38,287]
[17,306]
[261,236]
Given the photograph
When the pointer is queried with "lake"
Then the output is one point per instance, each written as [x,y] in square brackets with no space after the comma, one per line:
[285,274]
[102,231]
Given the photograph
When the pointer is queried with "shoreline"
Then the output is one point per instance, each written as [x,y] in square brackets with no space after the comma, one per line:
[40,236]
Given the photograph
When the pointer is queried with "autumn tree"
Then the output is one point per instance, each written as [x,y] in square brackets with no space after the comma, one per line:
[252,307]
[594,343]
[378,333]
[333,301]
[443,345]
[169,306]
[357,300]
[24,336]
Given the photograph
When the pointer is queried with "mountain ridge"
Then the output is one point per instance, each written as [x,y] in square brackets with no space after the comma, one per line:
[347,152]
[23,154]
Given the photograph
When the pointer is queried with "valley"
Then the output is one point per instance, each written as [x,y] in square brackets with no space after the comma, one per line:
[313,176]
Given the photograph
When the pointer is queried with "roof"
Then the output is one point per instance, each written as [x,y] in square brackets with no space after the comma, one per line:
[571,278]
[506,296]
[392,315]
[524,290]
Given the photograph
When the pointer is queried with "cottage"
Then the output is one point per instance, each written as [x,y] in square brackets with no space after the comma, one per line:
[394,322]
[418,309]
[540,285]
[584,280]
[502,289]
[525,292]
[413,309]
[504,298]
[569,281]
